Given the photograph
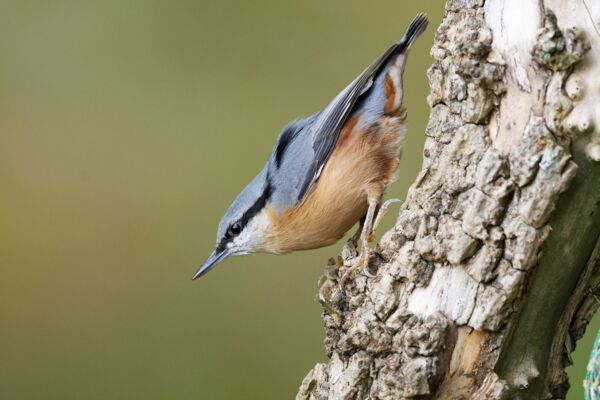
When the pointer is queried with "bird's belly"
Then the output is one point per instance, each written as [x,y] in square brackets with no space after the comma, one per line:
[313,225]
[362,164]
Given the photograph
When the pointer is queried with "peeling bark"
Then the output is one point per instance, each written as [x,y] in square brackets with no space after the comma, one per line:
[490,274]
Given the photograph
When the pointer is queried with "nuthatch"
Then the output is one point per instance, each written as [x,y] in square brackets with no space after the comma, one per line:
[326,172]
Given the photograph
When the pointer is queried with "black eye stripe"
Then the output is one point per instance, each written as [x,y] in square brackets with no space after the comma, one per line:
[258,205]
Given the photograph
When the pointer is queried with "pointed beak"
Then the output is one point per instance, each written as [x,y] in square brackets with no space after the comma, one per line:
[216,257]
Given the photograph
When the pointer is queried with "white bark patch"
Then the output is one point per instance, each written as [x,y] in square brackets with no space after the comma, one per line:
[451,291]
[514,25]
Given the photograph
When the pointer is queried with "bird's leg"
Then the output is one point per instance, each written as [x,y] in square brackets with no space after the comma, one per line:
[383,210]
[363,259]
[369,225]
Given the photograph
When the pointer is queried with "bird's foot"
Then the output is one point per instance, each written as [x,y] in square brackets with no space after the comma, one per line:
[362,263]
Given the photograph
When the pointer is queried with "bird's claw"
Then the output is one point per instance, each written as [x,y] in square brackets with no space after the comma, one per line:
[383,210]
[362,263]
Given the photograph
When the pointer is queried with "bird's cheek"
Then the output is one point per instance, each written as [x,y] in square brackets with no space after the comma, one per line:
[232,248]
[240,246]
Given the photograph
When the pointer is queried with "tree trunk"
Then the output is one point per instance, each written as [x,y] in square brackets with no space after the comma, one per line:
[491,272]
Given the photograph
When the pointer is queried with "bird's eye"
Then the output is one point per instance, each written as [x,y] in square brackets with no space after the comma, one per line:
[234,230]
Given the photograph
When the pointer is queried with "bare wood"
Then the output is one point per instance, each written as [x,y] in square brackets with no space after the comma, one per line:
[489,276]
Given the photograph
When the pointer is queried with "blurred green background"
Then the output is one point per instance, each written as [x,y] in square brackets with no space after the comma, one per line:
[126,130]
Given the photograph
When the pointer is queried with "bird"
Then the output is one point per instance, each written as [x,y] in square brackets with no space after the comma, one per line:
[326,172]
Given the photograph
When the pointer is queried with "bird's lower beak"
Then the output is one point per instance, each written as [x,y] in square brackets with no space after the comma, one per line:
[216,257]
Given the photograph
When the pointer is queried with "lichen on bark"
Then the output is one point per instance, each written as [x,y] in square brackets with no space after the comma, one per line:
[452,278]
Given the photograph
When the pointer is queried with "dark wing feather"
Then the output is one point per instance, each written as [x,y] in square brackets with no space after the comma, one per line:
[286,137]
[327,125]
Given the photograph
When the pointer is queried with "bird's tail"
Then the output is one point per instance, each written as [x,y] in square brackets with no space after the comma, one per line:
[416,27]
[395,66]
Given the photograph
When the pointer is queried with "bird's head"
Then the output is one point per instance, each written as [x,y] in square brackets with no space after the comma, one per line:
[241,230]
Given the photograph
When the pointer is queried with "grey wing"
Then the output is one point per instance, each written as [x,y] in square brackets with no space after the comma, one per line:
[327,125]
[303,148]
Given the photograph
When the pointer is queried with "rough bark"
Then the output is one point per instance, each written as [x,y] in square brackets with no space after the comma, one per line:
[492,270]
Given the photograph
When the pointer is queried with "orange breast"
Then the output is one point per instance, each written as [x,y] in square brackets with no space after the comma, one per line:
[362,164]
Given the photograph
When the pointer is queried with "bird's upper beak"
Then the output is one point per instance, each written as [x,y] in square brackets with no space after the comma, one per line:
[215,257]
